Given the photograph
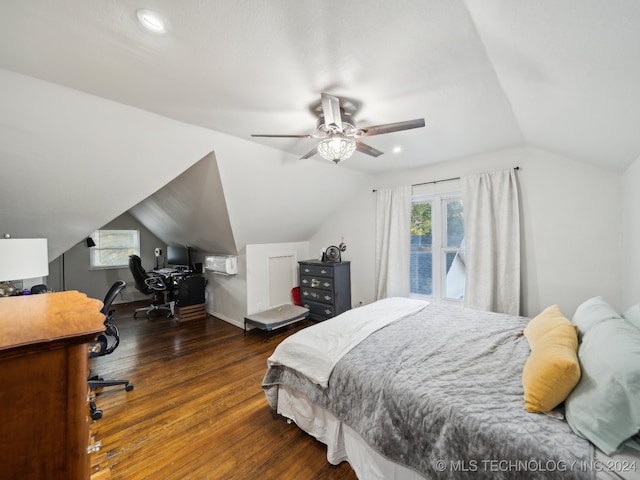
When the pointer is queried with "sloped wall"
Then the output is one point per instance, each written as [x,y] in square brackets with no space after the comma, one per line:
[190,210]
[71,162]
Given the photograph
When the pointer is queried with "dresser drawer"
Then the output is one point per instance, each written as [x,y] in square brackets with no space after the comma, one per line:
[325,296]
[325,283]
[317,270]
[317,309]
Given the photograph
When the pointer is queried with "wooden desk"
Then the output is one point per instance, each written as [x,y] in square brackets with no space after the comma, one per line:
[44,423]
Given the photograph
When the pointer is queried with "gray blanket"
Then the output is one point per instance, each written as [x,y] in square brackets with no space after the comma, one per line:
[442,390]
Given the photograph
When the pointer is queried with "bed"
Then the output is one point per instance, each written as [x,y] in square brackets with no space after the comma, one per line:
[404,389]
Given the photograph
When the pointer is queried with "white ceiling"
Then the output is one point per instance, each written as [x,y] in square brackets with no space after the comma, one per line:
[99,116]
[561,75]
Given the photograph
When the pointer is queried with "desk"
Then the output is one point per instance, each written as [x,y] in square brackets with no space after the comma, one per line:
[44,432]
[170,272]
[190,291]
[187,290]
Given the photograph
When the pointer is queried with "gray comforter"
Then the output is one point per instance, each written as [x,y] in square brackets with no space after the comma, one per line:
[441,393]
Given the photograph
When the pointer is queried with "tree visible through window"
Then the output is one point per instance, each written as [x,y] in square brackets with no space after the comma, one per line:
[113,248]
[437,247]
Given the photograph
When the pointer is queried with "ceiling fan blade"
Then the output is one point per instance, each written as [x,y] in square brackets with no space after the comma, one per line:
[364,148]
[280,136]
[331,110]
[392,127]
[309,154]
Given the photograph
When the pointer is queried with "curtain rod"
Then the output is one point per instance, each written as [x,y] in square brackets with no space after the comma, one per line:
[443,180]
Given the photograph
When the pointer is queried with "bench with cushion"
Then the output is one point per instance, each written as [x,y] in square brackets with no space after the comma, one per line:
[276,317]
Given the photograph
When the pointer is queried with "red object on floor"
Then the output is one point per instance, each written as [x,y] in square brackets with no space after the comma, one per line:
[295,294]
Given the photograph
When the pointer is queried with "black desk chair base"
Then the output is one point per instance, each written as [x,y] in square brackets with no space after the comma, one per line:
[96,382]
[169,307]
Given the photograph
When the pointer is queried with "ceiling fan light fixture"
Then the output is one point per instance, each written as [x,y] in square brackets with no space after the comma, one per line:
[337,148]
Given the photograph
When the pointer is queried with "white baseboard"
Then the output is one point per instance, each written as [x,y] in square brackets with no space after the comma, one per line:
[232,321]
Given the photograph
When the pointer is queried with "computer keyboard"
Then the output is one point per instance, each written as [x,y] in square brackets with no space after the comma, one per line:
[166,271]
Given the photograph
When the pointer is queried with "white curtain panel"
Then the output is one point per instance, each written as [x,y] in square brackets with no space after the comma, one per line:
[393,242]
[492,238]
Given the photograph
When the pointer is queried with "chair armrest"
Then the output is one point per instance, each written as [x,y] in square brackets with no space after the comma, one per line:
[156,283]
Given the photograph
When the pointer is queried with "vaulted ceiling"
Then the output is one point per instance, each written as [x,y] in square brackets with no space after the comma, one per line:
[560,75]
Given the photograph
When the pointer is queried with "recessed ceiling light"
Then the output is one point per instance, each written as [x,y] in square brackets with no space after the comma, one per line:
[397,149]
[151,20]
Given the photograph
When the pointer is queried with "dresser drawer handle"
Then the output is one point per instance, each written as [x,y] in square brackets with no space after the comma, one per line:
[305,281]
[305,293]
[327,311]
[307,270]
[323,271]
[327,297]
[326,284]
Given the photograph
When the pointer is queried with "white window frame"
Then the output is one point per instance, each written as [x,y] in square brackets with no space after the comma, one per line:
[135,245]
[439,249]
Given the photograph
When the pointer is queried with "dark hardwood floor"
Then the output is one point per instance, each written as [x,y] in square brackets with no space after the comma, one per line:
[197,410]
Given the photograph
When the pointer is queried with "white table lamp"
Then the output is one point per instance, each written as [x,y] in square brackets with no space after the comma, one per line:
[22,258]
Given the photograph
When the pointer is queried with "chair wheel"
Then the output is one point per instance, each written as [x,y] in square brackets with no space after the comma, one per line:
[129,387]
[96,413]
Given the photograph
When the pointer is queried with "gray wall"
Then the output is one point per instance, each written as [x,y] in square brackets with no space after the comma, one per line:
[96,283]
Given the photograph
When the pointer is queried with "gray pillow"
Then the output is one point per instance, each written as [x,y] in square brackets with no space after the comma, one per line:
[591,312]
[604,407]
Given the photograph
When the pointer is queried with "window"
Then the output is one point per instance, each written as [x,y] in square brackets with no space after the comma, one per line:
[437,247]
[113,248]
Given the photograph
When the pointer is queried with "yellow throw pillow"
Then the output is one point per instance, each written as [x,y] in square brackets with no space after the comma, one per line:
[552,369]
[543,323]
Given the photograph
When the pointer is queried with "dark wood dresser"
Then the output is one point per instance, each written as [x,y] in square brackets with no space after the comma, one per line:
[325,288]
[44,424]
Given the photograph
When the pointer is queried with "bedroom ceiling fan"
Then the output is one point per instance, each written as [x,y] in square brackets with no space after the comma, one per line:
[338,134]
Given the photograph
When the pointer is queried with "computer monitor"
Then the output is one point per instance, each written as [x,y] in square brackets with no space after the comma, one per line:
[178,256]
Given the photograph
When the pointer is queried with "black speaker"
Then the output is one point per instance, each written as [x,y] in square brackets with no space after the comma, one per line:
[197,268]
[190,291]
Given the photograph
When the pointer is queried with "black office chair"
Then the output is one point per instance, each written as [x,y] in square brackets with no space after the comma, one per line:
[151,285]
[103,346]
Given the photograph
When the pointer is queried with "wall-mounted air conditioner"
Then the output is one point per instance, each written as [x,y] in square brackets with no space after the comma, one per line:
[221,264]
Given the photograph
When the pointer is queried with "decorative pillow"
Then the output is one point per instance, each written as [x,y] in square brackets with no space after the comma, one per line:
[604,406]
[552,369]
[591,312]
[543,323]
[633,316]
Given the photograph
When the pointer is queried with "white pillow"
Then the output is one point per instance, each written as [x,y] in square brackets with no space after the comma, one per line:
[592,312]
[633,315]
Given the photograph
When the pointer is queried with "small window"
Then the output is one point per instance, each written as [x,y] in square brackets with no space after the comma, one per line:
[437,267]
[113,248]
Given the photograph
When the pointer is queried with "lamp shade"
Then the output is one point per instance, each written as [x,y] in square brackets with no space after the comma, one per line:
[22,258]
[336,148]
